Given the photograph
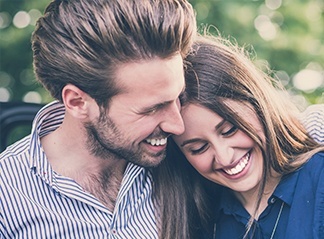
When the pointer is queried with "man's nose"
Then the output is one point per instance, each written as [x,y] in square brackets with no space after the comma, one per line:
[172,120]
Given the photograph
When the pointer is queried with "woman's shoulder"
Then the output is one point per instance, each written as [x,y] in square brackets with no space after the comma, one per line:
[308,199]
[317,158]
[314,167]
[316,161]
[316,172]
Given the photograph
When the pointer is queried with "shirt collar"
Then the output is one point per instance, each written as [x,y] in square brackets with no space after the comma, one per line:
[286,188]
[228,202]
[284,191]
[46,121]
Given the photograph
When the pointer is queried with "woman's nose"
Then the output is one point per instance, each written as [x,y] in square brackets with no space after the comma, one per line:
[223,155]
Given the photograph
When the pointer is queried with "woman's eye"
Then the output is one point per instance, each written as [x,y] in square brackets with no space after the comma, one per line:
[199,150]
[228,132]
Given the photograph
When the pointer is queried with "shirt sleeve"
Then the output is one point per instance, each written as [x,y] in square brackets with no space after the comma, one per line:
[313,120]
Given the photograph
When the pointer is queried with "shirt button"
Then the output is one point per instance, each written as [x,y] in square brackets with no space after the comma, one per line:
[272,200]
[113,231]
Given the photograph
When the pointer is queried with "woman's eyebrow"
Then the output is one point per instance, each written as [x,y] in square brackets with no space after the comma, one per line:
[197,139]
[220,124]
[189,141]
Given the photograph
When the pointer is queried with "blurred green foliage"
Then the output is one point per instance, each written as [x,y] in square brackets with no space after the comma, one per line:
[286,35]
[16,73]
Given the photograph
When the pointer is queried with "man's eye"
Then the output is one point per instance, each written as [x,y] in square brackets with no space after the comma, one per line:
[199,150]
[230,131]
[151,111]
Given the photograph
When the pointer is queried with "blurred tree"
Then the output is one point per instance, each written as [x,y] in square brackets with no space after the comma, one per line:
[17,21]
[286,35]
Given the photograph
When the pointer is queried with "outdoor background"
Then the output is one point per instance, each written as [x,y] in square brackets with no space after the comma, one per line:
[286,35]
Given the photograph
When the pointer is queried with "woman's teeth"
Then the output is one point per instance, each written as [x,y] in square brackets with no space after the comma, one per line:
[239,167]
[157,142]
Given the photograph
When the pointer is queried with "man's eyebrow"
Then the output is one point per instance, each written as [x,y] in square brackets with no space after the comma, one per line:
[162,104]
[156,106]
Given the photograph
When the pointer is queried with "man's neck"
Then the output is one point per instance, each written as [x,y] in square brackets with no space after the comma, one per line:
[104,186]
[70,158]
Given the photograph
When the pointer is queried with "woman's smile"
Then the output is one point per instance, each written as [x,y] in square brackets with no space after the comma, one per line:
[239,167]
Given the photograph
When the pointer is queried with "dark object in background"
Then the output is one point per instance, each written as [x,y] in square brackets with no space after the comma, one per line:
[16,121]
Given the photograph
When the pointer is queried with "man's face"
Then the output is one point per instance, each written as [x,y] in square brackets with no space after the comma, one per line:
[143,115]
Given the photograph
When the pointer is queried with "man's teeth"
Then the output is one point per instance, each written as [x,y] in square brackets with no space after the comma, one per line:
[239,167]
[157,142]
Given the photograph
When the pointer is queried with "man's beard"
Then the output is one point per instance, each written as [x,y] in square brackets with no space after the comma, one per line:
[104,140]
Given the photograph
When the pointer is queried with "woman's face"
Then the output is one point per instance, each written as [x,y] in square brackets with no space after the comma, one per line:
[218,150]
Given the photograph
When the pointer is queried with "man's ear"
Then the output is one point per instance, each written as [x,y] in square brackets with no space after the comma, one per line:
[77,102]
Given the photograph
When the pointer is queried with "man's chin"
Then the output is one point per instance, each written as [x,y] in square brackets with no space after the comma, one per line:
[151,161]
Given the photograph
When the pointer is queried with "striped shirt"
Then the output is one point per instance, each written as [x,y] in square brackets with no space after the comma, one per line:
[36,202]
[313,120]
